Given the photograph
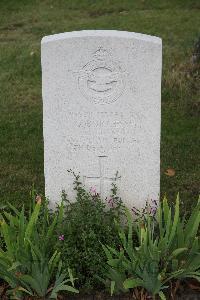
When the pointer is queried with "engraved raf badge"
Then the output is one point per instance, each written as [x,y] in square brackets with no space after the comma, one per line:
[101,80]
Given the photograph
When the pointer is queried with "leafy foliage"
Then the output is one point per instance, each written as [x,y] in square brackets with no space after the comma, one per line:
[145,254]
[168,248]
[27,263]
[87,223]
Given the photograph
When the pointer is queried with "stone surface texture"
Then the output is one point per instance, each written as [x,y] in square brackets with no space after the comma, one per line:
[101,113]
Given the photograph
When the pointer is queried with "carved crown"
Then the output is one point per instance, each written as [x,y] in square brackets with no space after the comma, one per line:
[101,54]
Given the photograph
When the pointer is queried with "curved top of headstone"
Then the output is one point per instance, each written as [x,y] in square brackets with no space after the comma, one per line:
[101,33]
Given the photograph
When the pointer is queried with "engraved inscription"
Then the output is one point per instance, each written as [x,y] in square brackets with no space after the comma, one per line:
[101,80]
[100,132]
[100,144]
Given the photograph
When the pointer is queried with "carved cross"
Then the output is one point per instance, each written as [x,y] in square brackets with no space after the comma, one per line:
[101,178]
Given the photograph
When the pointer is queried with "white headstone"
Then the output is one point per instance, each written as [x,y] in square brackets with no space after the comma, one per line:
[101,112]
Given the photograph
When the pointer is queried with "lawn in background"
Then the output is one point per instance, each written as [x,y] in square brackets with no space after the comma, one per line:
[24,23]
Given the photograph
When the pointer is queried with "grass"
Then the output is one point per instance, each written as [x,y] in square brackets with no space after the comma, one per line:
[24,23]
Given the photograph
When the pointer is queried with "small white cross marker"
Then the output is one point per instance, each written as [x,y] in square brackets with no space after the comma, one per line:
[101,179]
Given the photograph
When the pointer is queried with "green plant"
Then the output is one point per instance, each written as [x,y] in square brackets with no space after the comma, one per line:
[27,263]
[168,249]
[87,223]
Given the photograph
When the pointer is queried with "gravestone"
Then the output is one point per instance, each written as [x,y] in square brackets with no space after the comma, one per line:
[101,113]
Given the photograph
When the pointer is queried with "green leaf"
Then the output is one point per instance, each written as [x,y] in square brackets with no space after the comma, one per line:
[166,209]
[162,296]
[14,266]
[32,221]
[114,262]
[130,230]
[112,250]
[192,226]
[69,289]
[71,276]
[177,252]
[112,287]
[132,283]
[176,220]
[25,290]
[21,229]
[107,252]
[32,282]
[60,213]
[13,209]
[7,238]
[62,287]
[49,233]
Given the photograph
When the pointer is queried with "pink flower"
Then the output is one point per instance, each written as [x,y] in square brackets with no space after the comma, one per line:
[61,237]
[111,202]
[93,191]
[134,210]
[153,207]
[153,210]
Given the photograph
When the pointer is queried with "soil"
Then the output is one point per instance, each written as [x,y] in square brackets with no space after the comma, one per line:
[187,291]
